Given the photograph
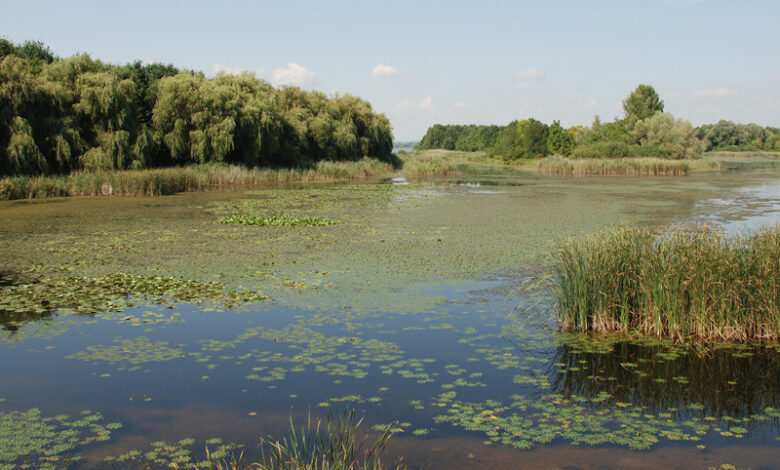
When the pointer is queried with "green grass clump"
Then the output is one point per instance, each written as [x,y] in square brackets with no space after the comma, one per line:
[691,284]
[277,221]
[557,165]
[334,446]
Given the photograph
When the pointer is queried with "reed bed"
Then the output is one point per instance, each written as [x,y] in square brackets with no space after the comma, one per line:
[557,165]
[152,182]
[692,284]
[438,162]
[421,166]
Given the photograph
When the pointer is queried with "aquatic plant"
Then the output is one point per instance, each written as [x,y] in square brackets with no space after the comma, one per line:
[335,446]
[650,166]
[692,283]
[133,351]
[32,441]
[278,221]
[112,292]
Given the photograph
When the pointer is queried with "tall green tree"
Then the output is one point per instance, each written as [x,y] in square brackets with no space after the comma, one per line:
[642,103]
[560,141]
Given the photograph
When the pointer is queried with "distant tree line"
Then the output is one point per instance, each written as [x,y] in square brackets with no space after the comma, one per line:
[728,136]
[644,130]
[58,115]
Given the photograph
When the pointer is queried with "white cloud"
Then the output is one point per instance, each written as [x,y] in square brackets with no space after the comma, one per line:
[293,74]
[592,103]
[410,106]
[716,92]
[530,74]
[382,70]
[219,68]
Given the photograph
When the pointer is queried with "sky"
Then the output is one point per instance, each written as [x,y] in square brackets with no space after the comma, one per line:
[450,62]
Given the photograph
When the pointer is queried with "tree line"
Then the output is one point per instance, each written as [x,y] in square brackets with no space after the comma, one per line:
[645,130]
[59,115]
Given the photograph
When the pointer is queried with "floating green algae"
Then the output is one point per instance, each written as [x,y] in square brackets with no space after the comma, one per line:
[133,351]
[29,440]
[524,423]
[277,221]
[178,454]
[113,292]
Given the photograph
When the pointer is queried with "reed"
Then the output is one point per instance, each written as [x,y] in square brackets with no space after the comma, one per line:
[160,181]
[438,162]
[690,284]
[557,165]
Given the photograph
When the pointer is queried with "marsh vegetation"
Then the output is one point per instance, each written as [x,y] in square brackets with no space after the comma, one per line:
[690,284]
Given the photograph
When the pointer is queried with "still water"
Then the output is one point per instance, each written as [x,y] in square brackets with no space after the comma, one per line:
[427,308]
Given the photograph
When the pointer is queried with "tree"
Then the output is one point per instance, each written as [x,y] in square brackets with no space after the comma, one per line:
[560,141]
[642,103]
[667,137]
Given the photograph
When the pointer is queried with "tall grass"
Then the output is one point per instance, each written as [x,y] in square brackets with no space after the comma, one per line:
[557,165]
[438,162]
[172,180]
[334,446]
[690,284]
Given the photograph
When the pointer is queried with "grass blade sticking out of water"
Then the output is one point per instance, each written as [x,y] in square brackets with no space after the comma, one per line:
[337,446]
[689,284]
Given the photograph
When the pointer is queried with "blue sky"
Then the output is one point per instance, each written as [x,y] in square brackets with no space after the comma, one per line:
[422,62]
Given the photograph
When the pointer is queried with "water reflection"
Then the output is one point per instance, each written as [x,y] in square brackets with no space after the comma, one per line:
[734,382]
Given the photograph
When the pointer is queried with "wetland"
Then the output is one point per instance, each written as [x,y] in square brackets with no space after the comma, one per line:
[137,331]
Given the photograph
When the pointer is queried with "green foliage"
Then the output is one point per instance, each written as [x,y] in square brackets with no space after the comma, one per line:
[642,103]
[469,138]
[687,284]
[58,115]
[667,137]
[334,446]
[523,139]
[729,136]
[560,141]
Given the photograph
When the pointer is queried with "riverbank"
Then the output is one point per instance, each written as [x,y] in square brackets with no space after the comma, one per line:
[162,181]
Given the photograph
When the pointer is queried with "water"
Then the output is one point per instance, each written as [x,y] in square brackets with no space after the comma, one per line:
[426,307]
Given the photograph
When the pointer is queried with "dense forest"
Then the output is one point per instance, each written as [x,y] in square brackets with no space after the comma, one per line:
[645,130]
[58,115]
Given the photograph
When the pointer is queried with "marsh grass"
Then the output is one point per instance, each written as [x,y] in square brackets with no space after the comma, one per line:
[179,179]
[557,165]
[690,284]
[335,446]
[436,163]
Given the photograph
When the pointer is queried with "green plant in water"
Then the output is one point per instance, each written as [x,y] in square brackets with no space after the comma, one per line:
[31,441]
[277,221]
[336,446]
[689,284]
[78,294]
